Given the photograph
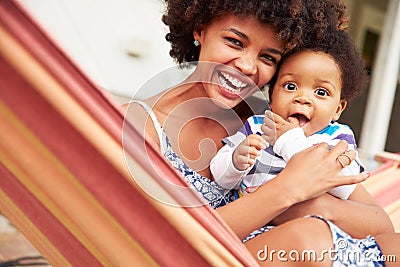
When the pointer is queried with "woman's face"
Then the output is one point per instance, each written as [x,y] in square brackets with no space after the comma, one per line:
[246,53]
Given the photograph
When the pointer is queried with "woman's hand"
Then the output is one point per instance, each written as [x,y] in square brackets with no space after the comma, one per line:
[246,152]
[316,170]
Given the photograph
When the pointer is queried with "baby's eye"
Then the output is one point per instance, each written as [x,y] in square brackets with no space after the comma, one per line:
[290,86]
[321,92]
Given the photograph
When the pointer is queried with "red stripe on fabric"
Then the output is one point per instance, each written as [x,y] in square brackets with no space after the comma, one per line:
[44,220]
[36,40]
[391,192]
[388,195]
[384,166]
[114,192]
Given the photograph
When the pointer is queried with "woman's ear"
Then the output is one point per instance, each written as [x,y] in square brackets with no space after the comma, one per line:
[340,108]
[196,35]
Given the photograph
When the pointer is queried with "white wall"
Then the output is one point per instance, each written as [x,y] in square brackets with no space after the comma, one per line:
[97,34]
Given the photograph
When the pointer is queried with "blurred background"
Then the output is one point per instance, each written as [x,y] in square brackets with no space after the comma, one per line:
[121,44]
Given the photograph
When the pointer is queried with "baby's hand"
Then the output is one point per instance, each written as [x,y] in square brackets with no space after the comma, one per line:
[274,126]
[246,152]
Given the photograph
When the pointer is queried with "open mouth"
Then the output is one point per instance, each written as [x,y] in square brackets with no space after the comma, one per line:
[231,83]
[303,119]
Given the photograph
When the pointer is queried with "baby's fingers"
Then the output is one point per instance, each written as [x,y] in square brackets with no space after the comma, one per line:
[269,134]
[248,151]
[256,141]
[271,116]
[269,122]
[244,157]
[242,162]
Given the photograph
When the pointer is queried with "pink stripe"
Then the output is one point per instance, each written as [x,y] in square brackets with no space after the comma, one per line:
[56,233]
[388,195]
[98,176]
[36,40]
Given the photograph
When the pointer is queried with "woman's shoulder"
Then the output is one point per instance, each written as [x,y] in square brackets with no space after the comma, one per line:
[137,114]
[135,111]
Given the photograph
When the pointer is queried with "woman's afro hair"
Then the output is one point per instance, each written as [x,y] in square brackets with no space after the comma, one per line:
[293,20]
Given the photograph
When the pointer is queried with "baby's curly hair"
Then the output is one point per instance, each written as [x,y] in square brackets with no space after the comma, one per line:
[340,46]
[294,20]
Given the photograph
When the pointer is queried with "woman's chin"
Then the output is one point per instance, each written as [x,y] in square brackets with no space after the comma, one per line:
[226,99]
[225,103]
[229,94]
[307,130]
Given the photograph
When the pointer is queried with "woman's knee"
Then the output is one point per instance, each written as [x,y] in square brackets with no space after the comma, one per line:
[296,237]
[389,243]
[308,231]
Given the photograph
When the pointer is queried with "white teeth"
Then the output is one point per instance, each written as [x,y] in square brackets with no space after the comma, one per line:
[234,84]
[233,80]
[229,88]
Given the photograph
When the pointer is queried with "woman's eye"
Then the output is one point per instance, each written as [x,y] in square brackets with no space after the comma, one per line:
[290,86]
[234,41]
[321,92]
[269,59]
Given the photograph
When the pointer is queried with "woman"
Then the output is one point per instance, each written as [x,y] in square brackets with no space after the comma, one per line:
[245,40]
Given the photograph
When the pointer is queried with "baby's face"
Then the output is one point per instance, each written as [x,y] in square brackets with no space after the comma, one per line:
[308,88]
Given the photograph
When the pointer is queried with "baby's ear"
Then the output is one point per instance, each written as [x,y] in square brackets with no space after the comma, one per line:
[340,108]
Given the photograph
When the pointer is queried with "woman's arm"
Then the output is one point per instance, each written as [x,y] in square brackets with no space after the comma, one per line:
[254,210]
[360,215]
[308,174]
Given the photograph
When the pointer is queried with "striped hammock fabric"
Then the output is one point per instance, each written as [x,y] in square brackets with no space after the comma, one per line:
[63,179]
[384,185]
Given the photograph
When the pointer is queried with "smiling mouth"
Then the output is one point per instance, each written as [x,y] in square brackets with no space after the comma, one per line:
[303,120]
[231,83]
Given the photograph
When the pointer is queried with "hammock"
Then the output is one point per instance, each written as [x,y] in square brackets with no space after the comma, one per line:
[63,179]
[384,185]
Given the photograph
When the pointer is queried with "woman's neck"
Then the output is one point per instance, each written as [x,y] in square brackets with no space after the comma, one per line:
[186,100]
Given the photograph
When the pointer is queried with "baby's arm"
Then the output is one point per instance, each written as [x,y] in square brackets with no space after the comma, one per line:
[232,163]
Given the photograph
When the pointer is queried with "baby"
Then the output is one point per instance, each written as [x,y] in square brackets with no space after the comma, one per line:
[308,94]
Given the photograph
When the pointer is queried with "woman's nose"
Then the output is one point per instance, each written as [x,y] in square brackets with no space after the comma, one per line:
[247,64]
